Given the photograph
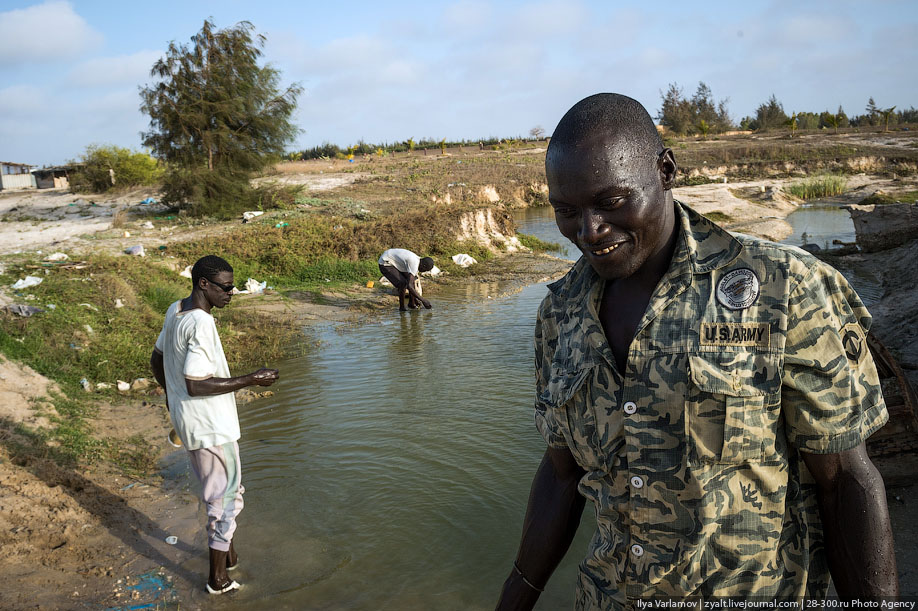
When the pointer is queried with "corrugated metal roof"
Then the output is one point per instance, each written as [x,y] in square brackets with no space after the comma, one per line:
[28,165]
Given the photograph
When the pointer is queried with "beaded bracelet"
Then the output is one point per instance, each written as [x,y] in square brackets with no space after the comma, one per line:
[526,581]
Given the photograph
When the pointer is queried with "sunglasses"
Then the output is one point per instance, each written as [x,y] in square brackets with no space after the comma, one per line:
[226,289]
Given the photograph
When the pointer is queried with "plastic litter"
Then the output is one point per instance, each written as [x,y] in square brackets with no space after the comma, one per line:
[135,250]
[248,216]
[171,539]
[254,287]
[22,310]
[174,440]
[57,256]
[51,306]
[464,260]
[148,201]
[186,273]
[370,284]
[148,225]
[279,225]
[127,234]
[103,385]
[384,281]
[88,329]
[90,306]
[434,271]
[123,386]
[85,384]
[27,282]
[118,303]
[140,384]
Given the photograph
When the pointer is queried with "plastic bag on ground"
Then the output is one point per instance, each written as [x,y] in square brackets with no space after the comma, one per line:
[23,310]
[464,260]
[254,287]
[135,250]
[27,282]
[248,216]
[435,271]
[186,273]
[57,256]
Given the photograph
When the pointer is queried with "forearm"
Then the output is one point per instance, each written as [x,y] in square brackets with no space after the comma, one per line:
[412,288]
[159,372]
[552,517]
[217,386]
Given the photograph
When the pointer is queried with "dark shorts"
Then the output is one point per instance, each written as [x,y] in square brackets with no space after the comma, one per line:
[398,279]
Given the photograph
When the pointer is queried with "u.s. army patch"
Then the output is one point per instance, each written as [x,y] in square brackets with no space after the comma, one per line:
[735,334]
[738,289]
[853,342]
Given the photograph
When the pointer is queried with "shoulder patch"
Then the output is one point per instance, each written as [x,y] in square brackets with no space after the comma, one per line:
[738,289]
[853,342]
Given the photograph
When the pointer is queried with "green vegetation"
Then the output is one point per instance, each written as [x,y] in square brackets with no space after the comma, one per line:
[698,114]
[818,186]
[216,118]
[86,337]
[535,244]
[100,164]
[904,197]
[718,217]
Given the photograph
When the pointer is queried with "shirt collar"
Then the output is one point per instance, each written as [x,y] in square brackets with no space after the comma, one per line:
[702,245]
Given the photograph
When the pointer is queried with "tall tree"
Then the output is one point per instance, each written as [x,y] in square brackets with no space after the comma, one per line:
[770,114]
[216,116]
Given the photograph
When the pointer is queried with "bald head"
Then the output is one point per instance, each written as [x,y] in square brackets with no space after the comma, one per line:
[614,119]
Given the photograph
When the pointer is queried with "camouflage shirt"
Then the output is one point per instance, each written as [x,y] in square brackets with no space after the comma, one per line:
[748,350]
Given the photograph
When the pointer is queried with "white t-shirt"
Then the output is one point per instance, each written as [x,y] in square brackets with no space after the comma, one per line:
[403,260]
[191,349]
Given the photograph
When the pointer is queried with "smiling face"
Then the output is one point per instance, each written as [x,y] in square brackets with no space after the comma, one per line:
[613,200]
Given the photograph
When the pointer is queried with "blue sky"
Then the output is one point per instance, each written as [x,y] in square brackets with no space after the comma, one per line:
[387,71]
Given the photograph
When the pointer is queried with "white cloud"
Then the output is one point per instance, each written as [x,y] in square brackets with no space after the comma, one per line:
[44,32]
[131,69]
[552,18]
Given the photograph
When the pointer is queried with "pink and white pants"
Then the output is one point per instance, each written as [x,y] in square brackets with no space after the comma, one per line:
[220,473]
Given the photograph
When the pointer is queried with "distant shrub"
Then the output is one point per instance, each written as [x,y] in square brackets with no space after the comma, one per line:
[818,186]
[100,163]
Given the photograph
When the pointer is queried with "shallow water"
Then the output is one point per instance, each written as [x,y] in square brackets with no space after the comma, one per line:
[391,468]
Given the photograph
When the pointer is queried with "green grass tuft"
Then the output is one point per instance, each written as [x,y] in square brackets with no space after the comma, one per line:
[816,187]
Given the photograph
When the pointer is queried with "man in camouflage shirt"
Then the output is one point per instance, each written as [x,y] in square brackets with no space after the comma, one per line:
[709,393]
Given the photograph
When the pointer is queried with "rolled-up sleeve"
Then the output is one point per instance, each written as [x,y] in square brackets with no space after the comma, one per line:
[831,396]
[547,419]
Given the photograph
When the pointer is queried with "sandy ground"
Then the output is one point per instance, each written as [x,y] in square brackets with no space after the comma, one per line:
[75,537]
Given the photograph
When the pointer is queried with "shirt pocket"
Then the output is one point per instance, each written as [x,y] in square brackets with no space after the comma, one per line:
[567,397]
[732,406]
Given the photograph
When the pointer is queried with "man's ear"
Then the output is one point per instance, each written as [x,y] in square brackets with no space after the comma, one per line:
[200,284]
[666,163]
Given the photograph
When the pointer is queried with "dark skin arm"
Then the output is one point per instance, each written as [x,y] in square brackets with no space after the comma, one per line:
[156,364]
[220,386]
[852,505]
[412,290]
[552,518]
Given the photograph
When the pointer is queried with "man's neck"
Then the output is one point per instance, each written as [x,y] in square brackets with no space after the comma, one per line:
[196,300]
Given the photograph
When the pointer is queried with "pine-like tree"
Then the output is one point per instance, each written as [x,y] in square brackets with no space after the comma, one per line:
[216,117]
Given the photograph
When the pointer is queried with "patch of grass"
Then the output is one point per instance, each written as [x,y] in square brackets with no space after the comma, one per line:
[691,181]
[905,197]
[718,217]
[535,244]
[86,336]
[818,186]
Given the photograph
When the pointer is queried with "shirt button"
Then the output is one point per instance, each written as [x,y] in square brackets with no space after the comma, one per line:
[630,407]
[637,482]
[637,550]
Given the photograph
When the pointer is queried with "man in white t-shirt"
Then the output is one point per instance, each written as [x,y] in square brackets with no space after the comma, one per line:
[401,267]
[189,363]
